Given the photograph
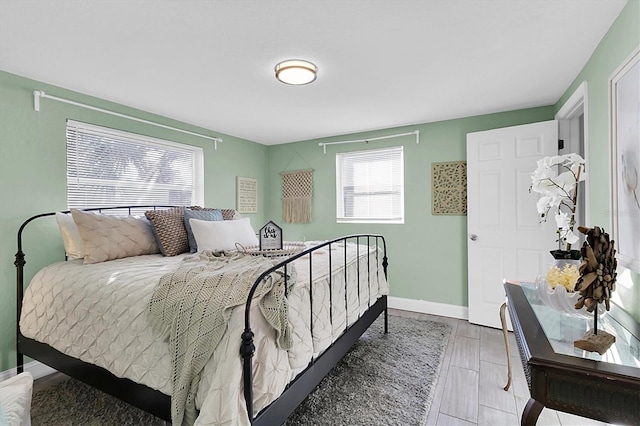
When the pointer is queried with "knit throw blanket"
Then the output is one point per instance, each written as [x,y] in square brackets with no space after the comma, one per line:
[191,307]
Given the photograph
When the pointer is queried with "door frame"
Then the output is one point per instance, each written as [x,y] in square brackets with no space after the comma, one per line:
[569,130]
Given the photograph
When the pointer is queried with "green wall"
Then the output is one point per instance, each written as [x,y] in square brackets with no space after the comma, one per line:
[33,175]
[427,254]
[615,48]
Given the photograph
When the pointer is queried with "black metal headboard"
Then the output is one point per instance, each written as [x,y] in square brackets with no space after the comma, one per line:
[20,257]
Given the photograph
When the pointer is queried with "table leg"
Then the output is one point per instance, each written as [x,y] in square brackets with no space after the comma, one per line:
[531,413]
[505,334]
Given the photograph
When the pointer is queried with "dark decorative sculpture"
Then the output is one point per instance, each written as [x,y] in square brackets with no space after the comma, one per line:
[596,283]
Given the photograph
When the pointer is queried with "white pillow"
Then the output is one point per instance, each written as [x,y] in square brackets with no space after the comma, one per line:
[224,234]
[15,400]
[71,238]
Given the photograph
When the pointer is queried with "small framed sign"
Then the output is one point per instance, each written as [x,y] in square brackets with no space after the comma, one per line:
[247,195]
[270,237]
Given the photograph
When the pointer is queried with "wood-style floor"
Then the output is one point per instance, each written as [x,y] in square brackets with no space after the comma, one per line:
[470,387]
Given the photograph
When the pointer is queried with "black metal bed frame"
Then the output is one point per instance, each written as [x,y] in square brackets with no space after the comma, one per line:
[158,403]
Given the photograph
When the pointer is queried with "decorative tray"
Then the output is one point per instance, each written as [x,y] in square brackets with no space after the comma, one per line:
[288,249]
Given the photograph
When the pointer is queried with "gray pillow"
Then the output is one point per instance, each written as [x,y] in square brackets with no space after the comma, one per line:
[210,215]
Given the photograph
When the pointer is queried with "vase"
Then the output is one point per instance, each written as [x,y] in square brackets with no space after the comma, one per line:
[566,254]
[555,287]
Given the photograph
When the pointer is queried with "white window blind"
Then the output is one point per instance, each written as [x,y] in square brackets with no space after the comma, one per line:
[107,167]
[370,186]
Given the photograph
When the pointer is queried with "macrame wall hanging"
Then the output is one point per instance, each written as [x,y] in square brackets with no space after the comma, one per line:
[297,187]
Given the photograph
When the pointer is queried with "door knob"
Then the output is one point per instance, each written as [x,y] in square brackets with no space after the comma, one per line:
[473,237]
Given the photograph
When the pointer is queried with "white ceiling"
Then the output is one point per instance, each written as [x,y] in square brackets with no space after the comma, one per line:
[381,63]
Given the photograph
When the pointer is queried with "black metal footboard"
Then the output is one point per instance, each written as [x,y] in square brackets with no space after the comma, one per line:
[158,403]
[305,383]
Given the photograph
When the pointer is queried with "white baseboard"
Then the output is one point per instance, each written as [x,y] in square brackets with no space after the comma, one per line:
[426,307]
[37,370]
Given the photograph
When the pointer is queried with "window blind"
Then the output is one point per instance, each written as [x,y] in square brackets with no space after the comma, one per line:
[107,167]
[370,186]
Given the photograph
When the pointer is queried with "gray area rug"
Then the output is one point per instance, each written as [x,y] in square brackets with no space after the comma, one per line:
[384,380]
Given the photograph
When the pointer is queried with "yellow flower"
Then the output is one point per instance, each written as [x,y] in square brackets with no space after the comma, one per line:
[566,277]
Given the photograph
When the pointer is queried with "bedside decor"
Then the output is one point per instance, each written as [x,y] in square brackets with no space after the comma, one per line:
[297,191]
[596,283]
[449,188]
[288,249]
[271,243]
[270,237]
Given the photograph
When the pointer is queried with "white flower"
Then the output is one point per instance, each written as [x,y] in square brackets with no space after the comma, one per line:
[570,237]
[545,179]
[556,179]
[542,205]
[565,227]
[562,220]
[546,203]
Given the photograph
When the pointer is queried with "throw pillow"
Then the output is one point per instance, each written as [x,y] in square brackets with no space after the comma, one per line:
[70,236]
[227,214]
[113,237]
[205,214]
[223,235]
[169,229]
[15,400]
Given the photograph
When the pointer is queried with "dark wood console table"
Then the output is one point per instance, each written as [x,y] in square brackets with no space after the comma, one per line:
[561,377]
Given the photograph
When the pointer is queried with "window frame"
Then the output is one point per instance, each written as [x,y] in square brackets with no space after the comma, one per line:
[75,179]
[340,188]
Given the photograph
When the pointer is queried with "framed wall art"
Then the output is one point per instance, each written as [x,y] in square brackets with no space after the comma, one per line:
[449,188]
[246,195]
[624,93]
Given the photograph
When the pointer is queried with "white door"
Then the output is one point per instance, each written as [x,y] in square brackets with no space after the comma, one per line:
[506,238]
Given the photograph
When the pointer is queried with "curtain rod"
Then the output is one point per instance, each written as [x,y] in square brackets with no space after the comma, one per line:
[415,132]
[38,94]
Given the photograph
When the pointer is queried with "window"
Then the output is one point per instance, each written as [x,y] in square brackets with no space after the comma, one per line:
[107,168]
[370,186]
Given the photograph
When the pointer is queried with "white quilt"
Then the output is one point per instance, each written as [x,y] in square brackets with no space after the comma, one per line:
[98,313]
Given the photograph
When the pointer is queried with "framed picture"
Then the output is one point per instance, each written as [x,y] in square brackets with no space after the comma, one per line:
[246,195]
[624,92]
[449,188]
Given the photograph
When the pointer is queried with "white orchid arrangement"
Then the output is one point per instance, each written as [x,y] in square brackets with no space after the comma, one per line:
[556,179]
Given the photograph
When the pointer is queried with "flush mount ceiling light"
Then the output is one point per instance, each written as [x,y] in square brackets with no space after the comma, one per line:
[296,72]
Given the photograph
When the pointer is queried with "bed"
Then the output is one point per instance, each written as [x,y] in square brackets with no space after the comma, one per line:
[300,315]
